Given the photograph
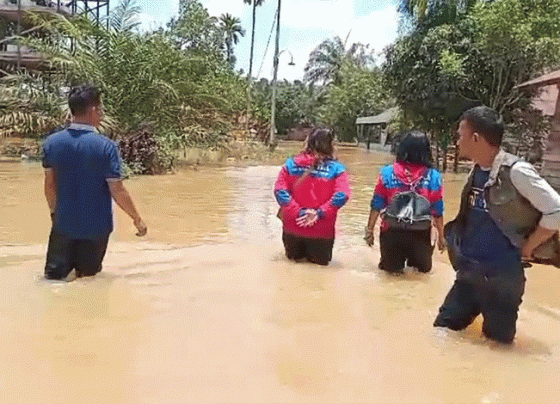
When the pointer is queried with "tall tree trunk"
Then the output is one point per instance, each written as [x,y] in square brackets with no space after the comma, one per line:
[435,146]
[444,147]
[456,159]
[252,39]
[444,162]
[229,50]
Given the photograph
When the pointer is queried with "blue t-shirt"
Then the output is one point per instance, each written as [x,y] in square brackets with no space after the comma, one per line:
[483,241]
[83,162]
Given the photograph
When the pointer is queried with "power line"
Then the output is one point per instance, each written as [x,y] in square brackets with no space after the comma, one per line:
[268,43]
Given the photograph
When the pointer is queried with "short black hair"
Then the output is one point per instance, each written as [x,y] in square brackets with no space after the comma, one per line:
[486,122]
[414,147]
[83,97]
[321,140]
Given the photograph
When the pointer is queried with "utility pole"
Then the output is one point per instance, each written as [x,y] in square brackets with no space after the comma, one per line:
[19,34]
[274,78]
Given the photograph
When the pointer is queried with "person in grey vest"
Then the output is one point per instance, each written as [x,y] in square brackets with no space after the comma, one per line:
[508,215]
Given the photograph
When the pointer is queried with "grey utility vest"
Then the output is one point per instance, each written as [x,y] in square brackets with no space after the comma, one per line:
[513,214]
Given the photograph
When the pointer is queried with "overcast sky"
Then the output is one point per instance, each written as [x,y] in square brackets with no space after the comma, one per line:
[304,25]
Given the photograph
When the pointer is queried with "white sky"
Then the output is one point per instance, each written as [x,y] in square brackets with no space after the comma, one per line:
[304,25]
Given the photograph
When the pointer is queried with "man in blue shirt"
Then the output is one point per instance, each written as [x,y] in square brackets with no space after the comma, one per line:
[82,174]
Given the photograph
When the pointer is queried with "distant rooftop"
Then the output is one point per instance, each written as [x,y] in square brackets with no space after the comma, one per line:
[546,100]
[384,117]
[546,80]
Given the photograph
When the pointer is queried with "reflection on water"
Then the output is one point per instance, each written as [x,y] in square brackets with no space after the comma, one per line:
[207,309]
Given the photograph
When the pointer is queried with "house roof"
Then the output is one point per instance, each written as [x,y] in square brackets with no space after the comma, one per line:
[384,117]
[546,80]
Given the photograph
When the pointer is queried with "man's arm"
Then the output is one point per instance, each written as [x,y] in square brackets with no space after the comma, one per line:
[539,236]
[50,180]
[118,191]
[544,198]
[123,199]
[50,190]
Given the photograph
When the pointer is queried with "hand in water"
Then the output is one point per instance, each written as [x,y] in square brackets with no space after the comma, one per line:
[141,226]
[369,237]
[308,219]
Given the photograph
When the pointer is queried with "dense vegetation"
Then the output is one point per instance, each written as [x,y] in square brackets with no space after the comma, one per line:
[178,86]
[178,82]
[458,54]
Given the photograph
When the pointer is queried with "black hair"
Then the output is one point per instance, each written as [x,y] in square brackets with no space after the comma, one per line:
[83,97]
[321,140]
[486,122]
[414,147]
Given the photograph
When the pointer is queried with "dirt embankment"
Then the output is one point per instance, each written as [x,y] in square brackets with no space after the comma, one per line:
[237,152]
[15,148]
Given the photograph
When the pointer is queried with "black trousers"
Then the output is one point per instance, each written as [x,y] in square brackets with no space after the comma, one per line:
[316,250]
[65,254]
[495,293]
[413,247]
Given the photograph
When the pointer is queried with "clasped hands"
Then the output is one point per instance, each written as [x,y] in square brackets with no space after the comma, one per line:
[308,218]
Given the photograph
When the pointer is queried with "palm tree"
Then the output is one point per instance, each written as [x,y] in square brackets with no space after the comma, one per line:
[326,60]
[232,29]
[124,17]
[255,4]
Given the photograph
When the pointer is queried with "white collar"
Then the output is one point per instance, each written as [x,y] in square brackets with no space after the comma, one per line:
[496,164]
[82,126]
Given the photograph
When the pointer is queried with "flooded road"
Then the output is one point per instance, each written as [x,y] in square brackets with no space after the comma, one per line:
[206,308]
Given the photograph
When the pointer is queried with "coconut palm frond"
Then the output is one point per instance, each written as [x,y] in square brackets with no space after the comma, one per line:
[125,16]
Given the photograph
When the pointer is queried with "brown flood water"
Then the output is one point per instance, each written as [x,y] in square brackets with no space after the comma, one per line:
[207,308]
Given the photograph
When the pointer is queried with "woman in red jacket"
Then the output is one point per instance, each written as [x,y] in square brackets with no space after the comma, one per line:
[311,188]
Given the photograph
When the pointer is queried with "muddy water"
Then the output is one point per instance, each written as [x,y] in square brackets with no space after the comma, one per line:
[207,309]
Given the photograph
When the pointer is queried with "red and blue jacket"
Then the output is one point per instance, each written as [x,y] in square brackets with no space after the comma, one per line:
[399,177]
[304,184]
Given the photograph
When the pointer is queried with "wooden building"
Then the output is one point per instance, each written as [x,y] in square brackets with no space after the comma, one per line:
[549,103]
[373,129]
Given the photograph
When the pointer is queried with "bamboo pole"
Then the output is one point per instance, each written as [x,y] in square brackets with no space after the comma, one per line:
[272,140]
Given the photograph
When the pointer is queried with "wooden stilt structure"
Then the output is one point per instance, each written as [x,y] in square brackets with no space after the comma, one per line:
[12,54]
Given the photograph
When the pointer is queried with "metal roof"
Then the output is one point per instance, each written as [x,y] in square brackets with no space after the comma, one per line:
[546,80]
[384,117]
